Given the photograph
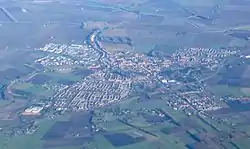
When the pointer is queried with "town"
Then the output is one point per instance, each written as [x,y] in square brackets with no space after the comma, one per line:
[115,76]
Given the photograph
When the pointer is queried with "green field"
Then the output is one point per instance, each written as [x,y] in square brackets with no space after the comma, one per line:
[114,126]
[61,76]
[22,86]
[28,141]
[242,143]
[224,90]
[32,141]
[3,103]
[164,141]
[202,124]
[35,90]
[101,142]
[244,27]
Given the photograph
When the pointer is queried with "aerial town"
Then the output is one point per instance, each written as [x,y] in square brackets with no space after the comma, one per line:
[116,75]
[97,79]
[125,74]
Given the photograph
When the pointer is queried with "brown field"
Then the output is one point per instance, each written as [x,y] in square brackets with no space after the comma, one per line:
[246,73]
[126,16]
[5,67]
[95,24]
[113,47]
[124,2]
[115,32]
[246,91]
[9,111]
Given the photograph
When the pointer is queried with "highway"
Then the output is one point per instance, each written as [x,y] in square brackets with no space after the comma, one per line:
[8,15]
[138,128]
[221,65]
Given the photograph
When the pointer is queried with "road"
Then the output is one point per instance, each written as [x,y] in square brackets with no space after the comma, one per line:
[222,64]
[8,15]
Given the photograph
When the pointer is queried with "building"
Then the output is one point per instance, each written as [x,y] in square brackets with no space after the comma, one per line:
[36,110]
